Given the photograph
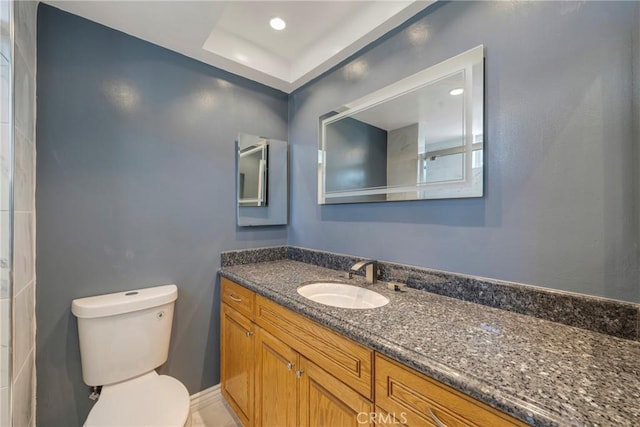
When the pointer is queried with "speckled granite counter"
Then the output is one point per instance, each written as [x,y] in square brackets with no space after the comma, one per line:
[542,372]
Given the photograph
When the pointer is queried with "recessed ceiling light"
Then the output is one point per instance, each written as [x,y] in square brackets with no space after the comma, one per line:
[456,92]
[277,23]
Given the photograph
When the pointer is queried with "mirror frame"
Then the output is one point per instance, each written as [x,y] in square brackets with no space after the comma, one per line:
[462,62]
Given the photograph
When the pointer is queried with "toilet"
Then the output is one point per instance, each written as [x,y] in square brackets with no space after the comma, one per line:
[124,337]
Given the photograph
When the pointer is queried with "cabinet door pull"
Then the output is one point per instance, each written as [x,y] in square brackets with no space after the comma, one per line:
[235,298]
[290,366]
[436,419]
[248,333]
[299,373]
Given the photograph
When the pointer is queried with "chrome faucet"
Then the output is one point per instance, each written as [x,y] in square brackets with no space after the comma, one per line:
[371,272]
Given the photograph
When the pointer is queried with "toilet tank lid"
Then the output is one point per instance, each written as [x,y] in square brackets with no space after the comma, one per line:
[123,302]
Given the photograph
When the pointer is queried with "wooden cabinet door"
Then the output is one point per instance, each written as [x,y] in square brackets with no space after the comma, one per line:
[327,402]
[237,364]
[276,382]
[338,355]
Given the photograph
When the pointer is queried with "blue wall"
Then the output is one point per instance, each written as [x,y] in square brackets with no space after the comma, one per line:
[560,180]
[135,188]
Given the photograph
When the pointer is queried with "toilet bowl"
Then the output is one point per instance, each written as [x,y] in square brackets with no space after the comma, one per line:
[149,400]
[123,338]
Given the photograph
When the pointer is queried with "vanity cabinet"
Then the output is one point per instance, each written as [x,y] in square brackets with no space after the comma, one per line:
[282,369]
[336,354]
[293,391]
[308,375]
[421,401]
[237,347]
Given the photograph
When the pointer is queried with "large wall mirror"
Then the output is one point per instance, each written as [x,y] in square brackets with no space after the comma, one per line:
[419,138]
[262,179]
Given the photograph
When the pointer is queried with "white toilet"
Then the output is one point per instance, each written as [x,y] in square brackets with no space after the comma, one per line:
[124,337]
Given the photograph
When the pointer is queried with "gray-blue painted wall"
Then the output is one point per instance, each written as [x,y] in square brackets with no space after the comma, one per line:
[560,178]
[135,188]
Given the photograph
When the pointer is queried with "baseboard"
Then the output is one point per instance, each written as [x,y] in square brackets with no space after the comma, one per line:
[206,397]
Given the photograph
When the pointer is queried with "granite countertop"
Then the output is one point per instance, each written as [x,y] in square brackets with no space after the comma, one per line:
[542,372]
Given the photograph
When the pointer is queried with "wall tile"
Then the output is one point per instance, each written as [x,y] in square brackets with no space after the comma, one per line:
[5,165]
[24,97]
[34,383]
[23,330]
[4,255]
[24,62]
[5,93]
[4,343]
[4,405]
[24,174]
[5,43]
[23,394]
[5,307]
[23,250]
[25,31]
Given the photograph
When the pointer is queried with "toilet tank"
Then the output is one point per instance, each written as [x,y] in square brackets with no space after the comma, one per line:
[124,334]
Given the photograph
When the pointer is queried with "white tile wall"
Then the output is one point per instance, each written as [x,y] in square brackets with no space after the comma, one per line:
[4,344]
[23,327]
[23,252]
[4,89]
[24,286]
[5,42]
[24,94]
[4,257]
[4,406]
[5,164]
[22,393]
[25,32]
[23,173]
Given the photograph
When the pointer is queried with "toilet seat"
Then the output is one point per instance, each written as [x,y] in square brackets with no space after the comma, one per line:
[149,400]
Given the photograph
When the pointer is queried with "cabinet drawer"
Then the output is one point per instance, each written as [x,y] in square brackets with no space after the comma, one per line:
[239,298]
[349,361]
[420,400]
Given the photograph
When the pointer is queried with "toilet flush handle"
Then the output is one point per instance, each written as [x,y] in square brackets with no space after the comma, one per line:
[95,393]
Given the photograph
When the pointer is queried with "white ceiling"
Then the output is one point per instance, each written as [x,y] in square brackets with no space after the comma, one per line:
[235,35]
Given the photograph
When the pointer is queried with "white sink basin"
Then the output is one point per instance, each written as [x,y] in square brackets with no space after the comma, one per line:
[342,295]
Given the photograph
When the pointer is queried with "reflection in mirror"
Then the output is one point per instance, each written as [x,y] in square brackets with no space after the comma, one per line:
[262,181]
[253,155]
[420,138]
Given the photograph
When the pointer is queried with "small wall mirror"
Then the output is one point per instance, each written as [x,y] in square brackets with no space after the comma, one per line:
[419,138]
[261,180]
